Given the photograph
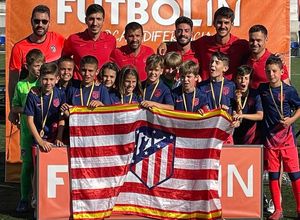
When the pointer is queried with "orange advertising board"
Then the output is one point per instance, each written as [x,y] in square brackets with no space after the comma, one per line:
[157,18]
[240,184]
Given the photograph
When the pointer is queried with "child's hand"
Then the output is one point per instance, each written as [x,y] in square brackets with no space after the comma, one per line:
[225,107]
[286,122]
[95,103]
[14,118]
[200,111]
[59,143]
[65,109]
[45,146]
[235,123]
[148,104]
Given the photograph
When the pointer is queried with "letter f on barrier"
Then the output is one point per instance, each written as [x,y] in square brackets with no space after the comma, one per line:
[53,180]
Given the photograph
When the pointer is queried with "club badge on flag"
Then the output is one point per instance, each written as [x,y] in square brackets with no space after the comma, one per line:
[153,158]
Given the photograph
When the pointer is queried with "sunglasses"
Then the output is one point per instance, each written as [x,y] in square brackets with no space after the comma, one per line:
[38,21]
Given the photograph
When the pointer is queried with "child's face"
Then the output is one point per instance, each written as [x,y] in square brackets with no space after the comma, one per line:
[170,72]
[109,77]
[34,69]
[217,67]
[189,81]
[89,72]
[48,82]
[154,74]
[130,83]
[65,70]
[242,82]
[274,73]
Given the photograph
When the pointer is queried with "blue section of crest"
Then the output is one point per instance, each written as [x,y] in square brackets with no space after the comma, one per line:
[149,140]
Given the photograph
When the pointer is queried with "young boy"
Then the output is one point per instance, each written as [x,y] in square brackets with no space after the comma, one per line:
[155,92]
[42,109]
[187,97]
[65,72]
[219,90]
[87,93]
[34,61]
[249,109]
[170,75]
[281,105]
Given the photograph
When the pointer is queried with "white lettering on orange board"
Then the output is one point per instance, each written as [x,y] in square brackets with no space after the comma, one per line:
[53,180]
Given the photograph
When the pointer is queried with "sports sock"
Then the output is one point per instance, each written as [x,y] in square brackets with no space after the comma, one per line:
[296,191]
[275,193]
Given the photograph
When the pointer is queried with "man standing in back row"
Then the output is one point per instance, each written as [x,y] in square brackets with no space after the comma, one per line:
[92,41]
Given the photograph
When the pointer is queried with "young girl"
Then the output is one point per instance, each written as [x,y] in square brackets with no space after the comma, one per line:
[108,75]
[129,87]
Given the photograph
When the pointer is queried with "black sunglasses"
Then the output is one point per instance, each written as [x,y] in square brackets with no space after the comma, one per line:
[38,21]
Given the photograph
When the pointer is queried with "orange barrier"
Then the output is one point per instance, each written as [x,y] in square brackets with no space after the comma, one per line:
[240,188]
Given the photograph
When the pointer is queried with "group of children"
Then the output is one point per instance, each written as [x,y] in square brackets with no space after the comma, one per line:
[45,97]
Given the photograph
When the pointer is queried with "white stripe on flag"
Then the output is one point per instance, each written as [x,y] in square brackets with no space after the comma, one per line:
[150,170]
[164,164]
[192,164]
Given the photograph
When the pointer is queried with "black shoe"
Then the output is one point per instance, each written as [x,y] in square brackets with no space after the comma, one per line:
[22,206]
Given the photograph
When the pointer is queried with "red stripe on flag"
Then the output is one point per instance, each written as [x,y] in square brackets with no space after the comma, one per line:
[102,151]
[79,173]
[158,162]
[145,169]
[197,153]
[170,159]
[195,174]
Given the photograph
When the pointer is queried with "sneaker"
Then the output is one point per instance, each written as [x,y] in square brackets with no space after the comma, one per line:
[22,206]
[276,215]
[271,207]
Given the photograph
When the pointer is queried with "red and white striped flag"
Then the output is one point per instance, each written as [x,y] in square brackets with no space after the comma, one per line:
[159,164]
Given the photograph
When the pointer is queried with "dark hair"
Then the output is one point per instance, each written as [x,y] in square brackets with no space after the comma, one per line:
[133,26]
[49,68]
[244,70]
[221,56]
[154,60]
[273,59]
[111,66]
[94,8]
[125,71]
[65,59]
[189,66]
[258,28]
[88,60]
[34,55]
[41,9]
[184,20]
[224,12]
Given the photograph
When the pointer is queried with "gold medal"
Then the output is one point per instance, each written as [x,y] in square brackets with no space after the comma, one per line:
[42,133]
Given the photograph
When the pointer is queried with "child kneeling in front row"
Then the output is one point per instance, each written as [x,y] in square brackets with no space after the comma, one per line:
[281,105]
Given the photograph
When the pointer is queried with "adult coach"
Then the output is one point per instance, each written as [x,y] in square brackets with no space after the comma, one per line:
[50,43]
[258,35]
[92,41]
[184,44]
[134,53]
[223,41]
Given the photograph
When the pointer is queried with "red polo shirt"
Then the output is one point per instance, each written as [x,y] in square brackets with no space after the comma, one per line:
[80,44]
[259,74]
[236,49]
[51,48]
[122,56]
[189,55]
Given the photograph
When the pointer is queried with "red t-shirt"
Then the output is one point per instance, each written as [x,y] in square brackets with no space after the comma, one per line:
[189,55]
[51,48]
[80,44]
[236,49]
[122,56]
[259,74]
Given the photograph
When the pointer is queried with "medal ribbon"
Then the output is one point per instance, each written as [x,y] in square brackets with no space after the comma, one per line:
[81,95]
[280,112]
[220,95]
[44,119]
[144,95]
[193,100]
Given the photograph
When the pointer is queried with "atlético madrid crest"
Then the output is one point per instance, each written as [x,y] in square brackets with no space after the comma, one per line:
[153,159]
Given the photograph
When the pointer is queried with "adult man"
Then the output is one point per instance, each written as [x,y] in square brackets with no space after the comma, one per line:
[223,41]
[134,53]
[258,35]
[50,43]
[92,41]
[184,44]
